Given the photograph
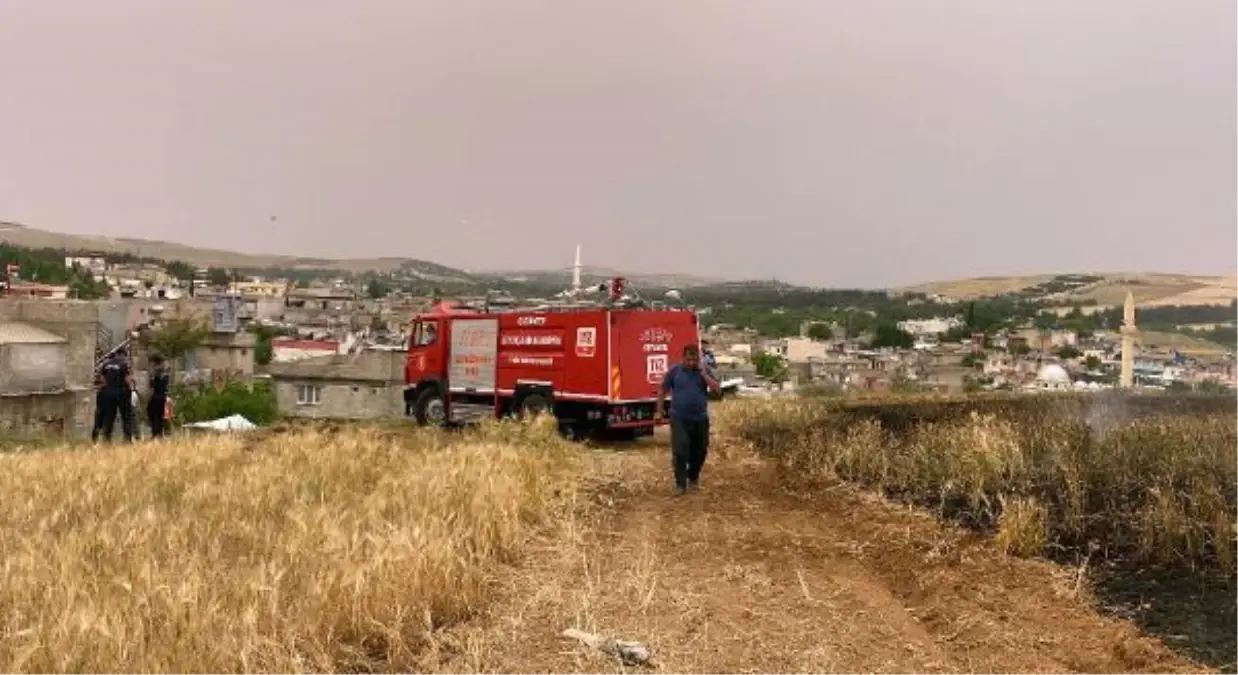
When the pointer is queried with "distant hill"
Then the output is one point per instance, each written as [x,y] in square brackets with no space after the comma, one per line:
[1105,288]
[23,235]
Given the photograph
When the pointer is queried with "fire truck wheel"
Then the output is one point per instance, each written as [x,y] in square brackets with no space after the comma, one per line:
[533,405]
[429,408]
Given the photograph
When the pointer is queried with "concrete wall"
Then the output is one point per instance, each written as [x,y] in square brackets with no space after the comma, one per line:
[69,414]
[368,385]
[29,368]
[75,320]
[340,400]
[227,351]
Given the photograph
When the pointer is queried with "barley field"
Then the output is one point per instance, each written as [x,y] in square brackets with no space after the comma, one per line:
[1147,479]
[304,551]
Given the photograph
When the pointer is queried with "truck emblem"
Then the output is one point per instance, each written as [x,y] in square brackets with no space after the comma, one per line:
[656,366]
[586,341]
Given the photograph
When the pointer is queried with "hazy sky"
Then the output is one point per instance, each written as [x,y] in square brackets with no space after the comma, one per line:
[849,143]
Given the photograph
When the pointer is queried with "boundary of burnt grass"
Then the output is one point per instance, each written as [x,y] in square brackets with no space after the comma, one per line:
[1136,489]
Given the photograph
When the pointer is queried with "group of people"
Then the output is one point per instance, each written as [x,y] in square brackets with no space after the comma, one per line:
[115,396]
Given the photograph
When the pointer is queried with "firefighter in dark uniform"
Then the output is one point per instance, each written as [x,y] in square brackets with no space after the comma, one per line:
[159,383]
[116,396]
[94,433]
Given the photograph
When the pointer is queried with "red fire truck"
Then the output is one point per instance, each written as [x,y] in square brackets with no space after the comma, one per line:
[595,366]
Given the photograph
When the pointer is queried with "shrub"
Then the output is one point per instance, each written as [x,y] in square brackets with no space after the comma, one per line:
[254,400]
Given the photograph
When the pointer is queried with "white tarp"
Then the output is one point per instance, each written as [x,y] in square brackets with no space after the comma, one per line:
[229,423]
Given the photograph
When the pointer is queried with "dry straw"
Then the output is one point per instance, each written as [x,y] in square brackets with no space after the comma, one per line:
[1149,479]
[307,551]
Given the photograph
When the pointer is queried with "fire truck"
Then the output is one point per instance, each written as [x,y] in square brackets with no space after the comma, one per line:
[595,366]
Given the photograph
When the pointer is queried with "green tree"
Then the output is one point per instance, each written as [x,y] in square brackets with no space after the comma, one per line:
[770,366]
[376,289]
[264,350]
[176,337]
[218,276]
[1092,362]
[46,265]
[1068,352]
[180,270]
[820,331]
[957,334]
[889,335]
[1045,321]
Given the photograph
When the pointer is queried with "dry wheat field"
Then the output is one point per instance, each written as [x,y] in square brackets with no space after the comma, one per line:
[308,551]
[827,537]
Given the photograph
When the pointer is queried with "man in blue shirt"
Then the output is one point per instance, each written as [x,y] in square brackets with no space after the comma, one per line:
[688,386]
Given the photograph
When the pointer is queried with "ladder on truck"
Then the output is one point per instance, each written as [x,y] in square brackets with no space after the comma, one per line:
[610,295]
[104,345]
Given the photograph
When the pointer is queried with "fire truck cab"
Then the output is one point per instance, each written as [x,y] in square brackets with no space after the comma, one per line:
[593,366]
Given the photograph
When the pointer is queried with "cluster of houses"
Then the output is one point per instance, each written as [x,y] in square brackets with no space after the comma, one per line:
[338,353]
[335,353]
[1024,360]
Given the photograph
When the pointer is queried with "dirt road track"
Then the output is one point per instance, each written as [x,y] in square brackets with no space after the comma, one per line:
[749,575]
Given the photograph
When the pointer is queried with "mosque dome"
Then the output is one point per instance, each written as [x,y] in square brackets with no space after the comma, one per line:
[1053,374]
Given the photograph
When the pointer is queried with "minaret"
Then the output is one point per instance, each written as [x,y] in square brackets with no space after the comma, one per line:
[576,271]
[1129,331]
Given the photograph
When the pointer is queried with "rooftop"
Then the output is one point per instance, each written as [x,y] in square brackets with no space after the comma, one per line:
[23,333]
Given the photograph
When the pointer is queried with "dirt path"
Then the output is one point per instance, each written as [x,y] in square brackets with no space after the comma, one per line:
[748,575]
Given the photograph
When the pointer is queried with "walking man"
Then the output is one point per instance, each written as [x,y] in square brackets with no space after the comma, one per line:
[689,387]
[156,406]
[116,396]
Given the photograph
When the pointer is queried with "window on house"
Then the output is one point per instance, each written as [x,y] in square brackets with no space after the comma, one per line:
[308,394]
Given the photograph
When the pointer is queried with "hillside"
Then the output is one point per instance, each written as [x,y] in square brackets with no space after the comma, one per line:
[23,235]
[1104,288]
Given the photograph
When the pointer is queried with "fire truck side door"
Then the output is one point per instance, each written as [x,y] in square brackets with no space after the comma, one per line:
[425,351]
